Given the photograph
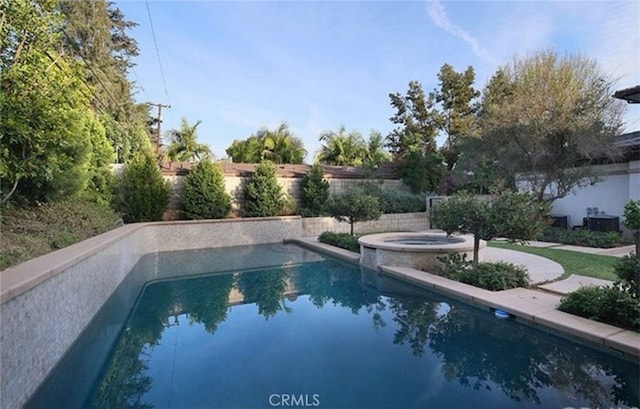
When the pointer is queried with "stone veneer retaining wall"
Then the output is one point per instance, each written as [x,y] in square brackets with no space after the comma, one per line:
[313,226]
[48,301]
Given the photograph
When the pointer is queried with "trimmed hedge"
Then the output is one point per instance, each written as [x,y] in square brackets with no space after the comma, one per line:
[582,237]
[342,240]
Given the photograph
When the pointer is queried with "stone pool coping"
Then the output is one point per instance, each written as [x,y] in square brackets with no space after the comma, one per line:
[534,306]
[379,241]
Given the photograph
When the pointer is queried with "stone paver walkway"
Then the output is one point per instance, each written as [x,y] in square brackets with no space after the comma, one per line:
[540,269]
[572,283]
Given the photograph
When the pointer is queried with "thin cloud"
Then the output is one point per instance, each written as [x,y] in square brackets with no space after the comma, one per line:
[438,15]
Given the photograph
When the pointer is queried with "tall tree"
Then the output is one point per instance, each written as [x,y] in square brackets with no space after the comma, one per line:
[95,34]
[281,145]
[375,153]
[184,144]
[277,146]
[413,143]
[546,118]
[456,96]
[46,143]
[417,119]
[341,148]
[246,150]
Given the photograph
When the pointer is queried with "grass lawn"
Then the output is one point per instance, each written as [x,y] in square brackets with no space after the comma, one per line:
[573,262]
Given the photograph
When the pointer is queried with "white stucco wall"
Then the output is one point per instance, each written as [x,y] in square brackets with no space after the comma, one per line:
[621,183]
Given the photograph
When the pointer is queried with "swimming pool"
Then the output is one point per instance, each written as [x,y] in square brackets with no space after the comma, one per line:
[276,325]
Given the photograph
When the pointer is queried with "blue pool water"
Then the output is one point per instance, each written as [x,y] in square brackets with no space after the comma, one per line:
[279,326]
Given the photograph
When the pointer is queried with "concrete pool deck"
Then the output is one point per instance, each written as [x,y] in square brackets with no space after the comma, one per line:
[535,306]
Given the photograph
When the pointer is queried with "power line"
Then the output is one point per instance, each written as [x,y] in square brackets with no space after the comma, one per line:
[155,43]
[139,83]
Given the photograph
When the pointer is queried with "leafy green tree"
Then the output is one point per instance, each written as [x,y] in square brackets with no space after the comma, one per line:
[341,148]
[375,153]
[184,144]
[545,118]
[457,117]
[101,180]
[412,143]
[204,192]
[516,216]
[143,195]
[277,146]
[245,151]
[281,145]
[422,172]
[263,196]
[314,192]
[632,221]
[353,207]
[417,119]
[45,147]
[96,34]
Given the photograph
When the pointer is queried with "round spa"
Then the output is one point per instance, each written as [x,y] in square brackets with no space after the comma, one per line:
[416,250]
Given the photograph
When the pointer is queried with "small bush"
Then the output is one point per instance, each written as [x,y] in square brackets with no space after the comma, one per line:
[314,192]
[142,194]
[30,232]
[627,270]
[263,196]
[204,193]
[604,304]
[342,240]
[581,237]
[497,276]
[490,276]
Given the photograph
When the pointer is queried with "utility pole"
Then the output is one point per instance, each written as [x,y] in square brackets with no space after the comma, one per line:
[159,120]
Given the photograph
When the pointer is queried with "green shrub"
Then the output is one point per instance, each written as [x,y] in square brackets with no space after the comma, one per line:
[392,201]
[627,270]
[204,192]
[29,232]
[604,304]
[143,195]
[314,192]
[490,276]
[353,207]
[342,240]
[263,196]
[581,237]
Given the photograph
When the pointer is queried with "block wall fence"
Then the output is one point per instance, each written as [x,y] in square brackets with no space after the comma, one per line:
[290,186]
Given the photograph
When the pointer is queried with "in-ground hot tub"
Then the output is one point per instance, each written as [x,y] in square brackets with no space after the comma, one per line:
[416,250]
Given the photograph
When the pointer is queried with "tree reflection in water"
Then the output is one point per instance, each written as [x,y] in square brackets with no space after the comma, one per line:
[475,349]
[266,289]
[484,353]
[204,300]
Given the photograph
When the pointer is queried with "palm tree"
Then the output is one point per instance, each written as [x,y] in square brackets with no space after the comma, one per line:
[184,144]
[376,155]
[341,148]
[281,145]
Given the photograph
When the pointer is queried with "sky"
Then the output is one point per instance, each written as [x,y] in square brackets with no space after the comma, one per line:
[238,66]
